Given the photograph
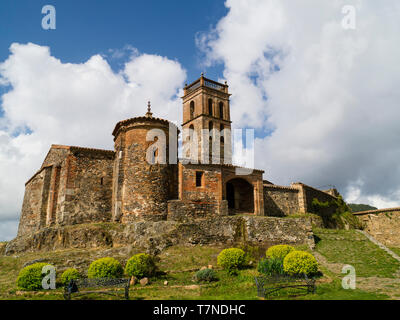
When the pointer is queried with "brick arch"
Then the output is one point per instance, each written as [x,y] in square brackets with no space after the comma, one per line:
[240,195]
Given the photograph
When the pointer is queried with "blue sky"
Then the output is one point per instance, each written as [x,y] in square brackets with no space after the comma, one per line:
[85,28]
[296,76]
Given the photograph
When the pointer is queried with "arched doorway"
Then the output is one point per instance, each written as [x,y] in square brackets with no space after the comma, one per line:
[240,196]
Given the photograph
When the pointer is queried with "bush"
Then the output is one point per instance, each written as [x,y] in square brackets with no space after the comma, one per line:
[30,277]
[105,268]
[231,259]
[206,275]
[140,265]
[300,262]
[68,275]
[279,252]
[270,266]
[253,253]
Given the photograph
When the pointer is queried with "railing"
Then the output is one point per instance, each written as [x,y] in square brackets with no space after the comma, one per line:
[214,85]
[193,86]
[277,285]
[207,83]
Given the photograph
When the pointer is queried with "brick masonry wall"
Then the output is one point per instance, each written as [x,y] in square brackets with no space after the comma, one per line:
[211,188]
[383,225]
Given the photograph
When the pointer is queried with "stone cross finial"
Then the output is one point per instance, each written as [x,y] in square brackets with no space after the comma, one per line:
[149,114]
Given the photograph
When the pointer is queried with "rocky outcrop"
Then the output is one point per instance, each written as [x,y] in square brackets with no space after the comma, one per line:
[154,237]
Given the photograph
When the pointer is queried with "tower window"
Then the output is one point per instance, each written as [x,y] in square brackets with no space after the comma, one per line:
[221,110]
[222,132]
[101,181]
[210,107]
[191,109]
[199,178]
[191,132]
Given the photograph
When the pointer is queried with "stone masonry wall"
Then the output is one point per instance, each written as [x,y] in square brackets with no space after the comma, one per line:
[184,211]
[33,213]
[280,201]
[88,192]
[141,189]
[306,196]
[384,225]
[156,236]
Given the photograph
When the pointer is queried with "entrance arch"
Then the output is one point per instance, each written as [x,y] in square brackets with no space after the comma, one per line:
[240,196]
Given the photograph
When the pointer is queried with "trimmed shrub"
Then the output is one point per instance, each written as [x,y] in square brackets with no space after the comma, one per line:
[30,277]
[140,265]
[270,266]
[300,262]
[105,268]
[206,275]
[279,251]
[68,275]
[231,259]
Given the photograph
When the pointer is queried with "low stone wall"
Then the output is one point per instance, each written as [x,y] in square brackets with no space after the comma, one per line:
[383,225]
[156,236]
[184,211]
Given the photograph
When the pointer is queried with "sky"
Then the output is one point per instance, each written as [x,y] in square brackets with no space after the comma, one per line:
[318,84]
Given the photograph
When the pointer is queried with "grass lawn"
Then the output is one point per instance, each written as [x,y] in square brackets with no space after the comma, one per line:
[334,249]
[350,247]
[395,250]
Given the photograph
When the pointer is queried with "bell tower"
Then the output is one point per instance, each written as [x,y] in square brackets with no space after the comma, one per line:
[206,122]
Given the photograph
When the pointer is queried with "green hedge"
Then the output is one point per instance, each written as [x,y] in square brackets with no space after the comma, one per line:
[68,275]
[30,277]
[140,265]
[279,251]
[300,262]
[231,259]
[105,268]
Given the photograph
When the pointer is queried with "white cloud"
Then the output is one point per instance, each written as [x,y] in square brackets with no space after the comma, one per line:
[51,102]
[333,100]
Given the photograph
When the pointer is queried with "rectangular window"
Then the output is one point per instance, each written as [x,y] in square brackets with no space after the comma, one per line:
[199,178]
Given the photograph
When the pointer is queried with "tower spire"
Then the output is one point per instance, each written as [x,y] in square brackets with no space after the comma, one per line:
[149,114]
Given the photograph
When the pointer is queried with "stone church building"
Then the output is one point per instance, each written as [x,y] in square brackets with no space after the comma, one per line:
[77,185]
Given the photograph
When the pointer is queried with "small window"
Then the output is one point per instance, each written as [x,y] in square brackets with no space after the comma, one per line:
[221,110]
[191,110]
[191,132]
[199,178]
[101,181]
[210,107]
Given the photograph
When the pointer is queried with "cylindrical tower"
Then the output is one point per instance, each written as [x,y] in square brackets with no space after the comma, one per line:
[145,174]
